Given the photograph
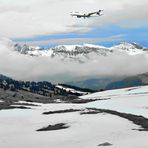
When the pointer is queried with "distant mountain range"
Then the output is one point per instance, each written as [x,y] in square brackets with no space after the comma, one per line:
[112,82]
[138,80]
[81,52]
[95,84]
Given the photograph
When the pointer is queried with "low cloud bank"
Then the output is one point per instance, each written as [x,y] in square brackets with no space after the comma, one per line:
[25,67]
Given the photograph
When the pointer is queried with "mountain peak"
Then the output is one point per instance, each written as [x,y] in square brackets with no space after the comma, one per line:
[130,48]
[127,45]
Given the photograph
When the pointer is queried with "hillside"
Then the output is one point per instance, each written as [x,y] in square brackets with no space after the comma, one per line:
[116,120]
[109,83]
[137,80]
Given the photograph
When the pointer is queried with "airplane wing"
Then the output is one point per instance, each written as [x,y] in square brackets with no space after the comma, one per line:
[76,14]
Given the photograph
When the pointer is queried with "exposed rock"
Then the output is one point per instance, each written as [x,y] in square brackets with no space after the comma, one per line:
[61,111]
[105,144]
[58,126]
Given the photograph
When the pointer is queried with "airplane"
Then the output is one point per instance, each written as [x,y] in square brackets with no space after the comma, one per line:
[86,15]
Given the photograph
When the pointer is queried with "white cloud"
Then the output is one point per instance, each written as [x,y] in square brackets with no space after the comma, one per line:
[43,17]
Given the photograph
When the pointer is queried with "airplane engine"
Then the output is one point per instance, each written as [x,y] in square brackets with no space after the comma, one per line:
[98,13]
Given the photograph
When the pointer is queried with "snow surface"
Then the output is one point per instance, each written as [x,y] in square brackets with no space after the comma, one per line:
[94,46]
[41,52]
[132,100]
[18,129]
[71,90]
[1,101]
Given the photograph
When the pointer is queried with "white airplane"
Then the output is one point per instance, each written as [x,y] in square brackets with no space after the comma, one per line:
[86,15]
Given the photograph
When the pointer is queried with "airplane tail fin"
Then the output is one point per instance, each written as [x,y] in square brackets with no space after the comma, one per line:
[99,12]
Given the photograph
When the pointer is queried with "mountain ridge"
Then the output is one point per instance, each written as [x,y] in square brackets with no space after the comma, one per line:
[109,83]
[70,51]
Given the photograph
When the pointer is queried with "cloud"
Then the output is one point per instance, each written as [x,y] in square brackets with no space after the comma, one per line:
[29,18]
[67,41]
[24,67]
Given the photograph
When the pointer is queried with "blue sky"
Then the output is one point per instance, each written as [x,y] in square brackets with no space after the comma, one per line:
[138,35]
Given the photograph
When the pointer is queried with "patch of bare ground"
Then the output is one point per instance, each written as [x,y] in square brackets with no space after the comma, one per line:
[105,144]
[79,101]
[61,111]
[58,126]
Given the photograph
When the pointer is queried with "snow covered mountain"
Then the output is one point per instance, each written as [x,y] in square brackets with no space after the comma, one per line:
[81,51]
[129,48]
[77,50]
[63,50]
